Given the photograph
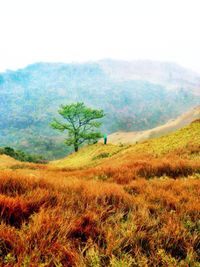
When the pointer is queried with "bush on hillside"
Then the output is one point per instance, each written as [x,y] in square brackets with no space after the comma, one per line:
[101,156]
[22,156]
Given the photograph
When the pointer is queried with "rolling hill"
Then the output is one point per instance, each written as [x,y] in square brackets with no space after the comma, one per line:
[135,96]
[106,206]
[170,126]
[7,162]
[185,140]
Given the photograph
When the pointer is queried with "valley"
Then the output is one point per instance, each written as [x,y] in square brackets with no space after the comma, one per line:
[135,95]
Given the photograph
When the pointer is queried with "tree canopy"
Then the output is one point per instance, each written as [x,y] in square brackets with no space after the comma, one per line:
[80,123]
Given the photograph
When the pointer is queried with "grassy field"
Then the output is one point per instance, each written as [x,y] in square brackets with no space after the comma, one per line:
[117,206]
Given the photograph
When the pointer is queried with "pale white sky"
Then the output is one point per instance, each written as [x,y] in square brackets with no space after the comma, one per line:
[81,30]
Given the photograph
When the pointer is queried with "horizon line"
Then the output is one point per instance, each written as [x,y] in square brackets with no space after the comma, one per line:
[77,62]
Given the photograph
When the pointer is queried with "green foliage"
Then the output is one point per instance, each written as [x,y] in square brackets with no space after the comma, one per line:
[22,156]
[101,156]
[9,259]
[80,124]
[125,261]
[93,258]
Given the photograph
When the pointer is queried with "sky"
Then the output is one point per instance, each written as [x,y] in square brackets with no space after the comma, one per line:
[87,30]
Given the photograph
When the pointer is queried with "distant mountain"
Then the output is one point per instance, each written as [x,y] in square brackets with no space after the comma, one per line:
[136,95]
[170,126]
[168,74]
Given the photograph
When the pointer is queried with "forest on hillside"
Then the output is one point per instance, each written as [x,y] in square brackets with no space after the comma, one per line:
[30,98]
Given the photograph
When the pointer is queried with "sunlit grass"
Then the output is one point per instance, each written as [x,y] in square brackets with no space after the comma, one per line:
[105,206]
[87,156]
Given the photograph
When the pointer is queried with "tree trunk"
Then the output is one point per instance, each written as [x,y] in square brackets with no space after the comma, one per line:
[76,148]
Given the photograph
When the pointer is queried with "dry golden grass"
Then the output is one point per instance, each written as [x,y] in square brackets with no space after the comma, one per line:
[56,221]
[87,156]
[6,161]
[128,209]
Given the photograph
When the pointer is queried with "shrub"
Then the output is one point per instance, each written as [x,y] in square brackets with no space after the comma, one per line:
[22,156]
[101,156]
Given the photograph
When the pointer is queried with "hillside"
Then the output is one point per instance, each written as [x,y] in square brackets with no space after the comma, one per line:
[7,162]
[182,141]
[135,96]
[106,206]
[87,156]
[170,126]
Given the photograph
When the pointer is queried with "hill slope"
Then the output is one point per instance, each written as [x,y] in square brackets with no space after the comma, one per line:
[185,140]
[7,162]
[172,125]
[139,206]
[134,95]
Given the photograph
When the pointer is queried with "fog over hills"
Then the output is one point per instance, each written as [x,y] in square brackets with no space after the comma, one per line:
[168,74]
[136,95]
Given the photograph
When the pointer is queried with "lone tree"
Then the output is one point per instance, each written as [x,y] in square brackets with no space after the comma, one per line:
[80,123]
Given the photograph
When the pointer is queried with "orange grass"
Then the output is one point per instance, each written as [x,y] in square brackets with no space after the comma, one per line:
[56,220]
[141,166]
[130,209]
